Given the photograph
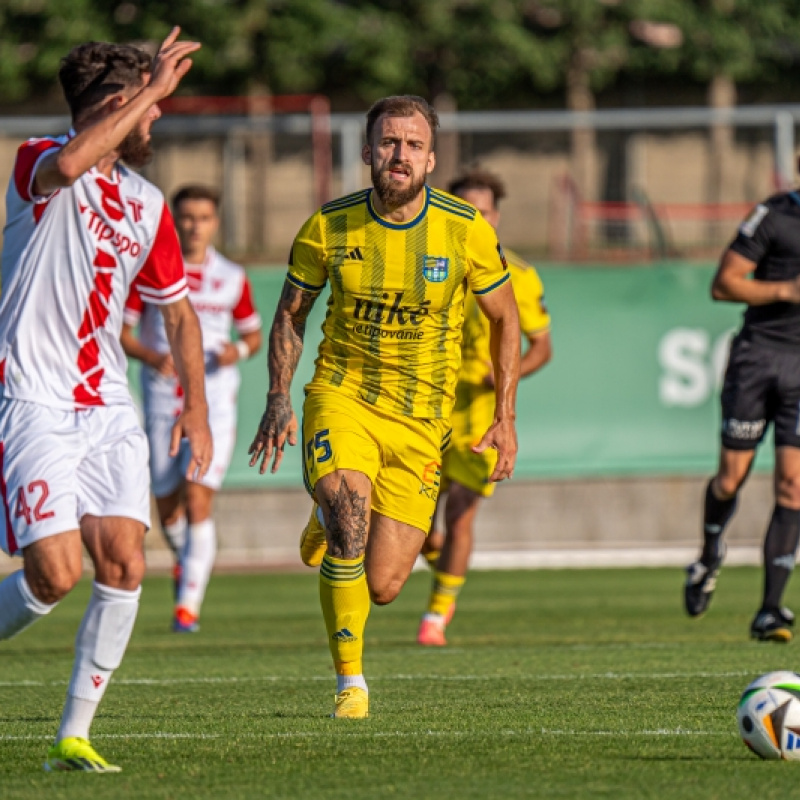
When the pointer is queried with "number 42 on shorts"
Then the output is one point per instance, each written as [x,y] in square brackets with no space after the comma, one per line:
[38,492]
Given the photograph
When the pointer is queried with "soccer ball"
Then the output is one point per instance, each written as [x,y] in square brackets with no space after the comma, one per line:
[769,716]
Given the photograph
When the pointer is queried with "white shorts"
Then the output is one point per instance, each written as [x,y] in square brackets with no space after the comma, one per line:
[56,466]
[167,473]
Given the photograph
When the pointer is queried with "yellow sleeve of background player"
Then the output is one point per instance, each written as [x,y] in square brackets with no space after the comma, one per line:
[307,263]
[488,268]
[529,292]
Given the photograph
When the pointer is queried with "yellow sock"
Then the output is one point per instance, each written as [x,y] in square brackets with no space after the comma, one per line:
[432,558]
[444,591]
[344,597]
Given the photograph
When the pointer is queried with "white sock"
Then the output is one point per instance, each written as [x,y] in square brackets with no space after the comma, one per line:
[77,718]
[346,681]
[99,646]
[197,561]
[18,606]
[175,534]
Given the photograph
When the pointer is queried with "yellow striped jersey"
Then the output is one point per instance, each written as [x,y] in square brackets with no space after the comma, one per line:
[533,318]
[392,333]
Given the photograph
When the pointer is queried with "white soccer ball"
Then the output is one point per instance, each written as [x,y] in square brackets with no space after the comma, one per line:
[769,716]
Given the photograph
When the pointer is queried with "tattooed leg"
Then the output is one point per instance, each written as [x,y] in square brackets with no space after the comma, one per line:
[348,520]
[345,499]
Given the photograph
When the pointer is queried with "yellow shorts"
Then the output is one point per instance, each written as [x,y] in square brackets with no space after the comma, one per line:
[472,415]
[402,456]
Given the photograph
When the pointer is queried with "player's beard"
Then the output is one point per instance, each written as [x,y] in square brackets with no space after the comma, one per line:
[135,150]
[393,196]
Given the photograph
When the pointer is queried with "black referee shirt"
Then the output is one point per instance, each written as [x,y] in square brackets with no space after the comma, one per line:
[770,237]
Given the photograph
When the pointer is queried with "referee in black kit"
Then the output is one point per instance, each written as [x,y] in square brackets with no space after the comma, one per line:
[761,267]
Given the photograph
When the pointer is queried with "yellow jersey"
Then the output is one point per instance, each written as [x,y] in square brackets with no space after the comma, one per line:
[533,318]
[392,332]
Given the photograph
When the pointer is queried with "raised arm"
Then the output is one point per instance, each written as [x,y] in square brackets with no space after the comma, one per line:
[500,309]
[732,283]
[186,345]
[92,143]
[278,424]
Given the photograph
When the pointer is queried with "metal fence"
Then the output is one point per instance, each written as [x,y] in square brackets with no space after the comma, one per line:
[613,184]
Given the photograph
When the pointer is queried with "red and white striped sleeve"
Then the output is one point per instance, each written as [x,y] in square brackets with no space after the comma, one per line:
[134,307]
[246,318]
[162,279]
[29,155]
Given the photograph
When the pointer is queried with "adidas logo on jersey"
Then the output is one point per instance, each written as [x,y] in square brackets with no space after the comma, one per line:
[355,255]
[344,635]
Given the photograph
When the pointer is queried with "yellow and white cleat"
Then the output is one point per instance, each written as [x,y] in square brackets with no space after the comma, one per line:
[352,703]
[312,540]
[76,755]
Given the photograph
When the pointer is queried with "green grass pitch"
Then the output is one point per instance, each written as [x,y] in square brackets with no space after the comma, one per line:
[563,684]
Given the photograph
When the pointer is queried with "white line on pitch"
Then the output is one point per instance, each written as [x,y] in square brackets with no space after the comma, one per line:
[339,734]
[620,676]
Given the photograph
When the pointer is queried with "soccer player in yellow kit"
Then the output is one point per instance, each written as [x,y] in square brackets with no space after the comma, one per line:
[400,258]
[466,473]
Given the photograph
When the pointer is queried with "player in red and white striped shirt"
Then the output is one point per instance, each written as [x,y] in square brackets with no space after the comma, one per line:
[81,230]
[220,294]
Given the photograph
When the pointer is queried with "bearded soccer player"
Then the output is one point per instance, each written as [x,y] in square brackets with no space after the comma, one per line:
[761,268]
[220,294]
[399,258]
[81,230]
[466,473]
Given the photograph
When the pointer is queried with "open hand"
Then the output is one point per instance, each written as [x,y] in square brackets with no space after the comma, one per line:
[171,63]
[278,425]
[502,436]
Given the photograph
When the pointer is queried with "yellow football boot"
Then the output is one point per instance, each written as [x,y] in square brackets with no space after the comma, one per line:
[352,703]
[74,754]
[312,540]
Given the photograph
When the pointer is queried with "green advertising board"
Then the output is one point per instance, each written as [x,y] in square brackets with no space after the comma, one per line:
[633,387]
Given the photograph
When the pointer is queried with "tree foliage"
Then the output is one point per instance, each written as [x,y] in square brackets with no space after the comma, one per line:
[486,53]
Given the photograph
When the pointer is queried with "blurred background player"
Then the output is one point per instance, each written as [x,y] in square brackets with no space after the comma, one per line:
[399,258]
[221,295]
[762,386]
[466,473]
[81,230]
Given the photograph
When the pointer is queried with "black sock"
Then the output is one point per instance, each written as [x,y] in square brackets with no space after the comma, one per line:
[780,546]
[716,515]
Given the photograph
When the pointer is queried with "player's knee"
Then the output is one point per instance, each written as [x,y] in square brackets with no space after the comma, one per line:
[198,507]
[787,491]
[196,515]
[727,484]
[132,570]
[52,586]
[343,545]
[123,571]
[384,591]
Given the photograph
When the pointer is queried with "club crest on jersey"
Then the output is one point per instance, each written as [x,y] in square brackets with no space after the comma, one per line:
[435,269]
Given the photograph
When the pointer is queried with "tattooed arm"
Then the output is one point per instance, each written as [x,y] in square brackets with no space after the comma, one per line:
[279,424]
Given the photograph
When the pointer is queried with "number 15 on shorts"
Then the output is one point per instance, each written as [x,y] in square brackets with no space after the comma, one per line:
[318,448]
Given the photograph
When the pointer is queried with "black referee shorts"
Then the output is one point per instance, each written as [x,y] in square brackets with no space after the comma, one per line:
[762,386]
